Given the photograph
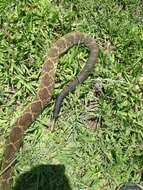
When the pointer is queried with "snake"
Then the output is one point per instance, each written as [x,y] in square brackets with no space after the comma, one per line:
[43,96]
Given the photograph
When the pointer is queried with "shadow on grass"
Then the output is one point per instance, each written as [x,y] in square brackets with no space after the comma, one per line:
[44,177]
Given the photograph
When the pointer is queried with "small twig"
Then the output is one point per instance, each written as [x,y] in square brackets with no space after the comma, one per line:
[9,165]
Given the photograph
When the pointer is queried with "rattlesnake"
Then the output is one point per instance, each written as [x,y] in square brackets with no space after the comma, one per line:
[43,96]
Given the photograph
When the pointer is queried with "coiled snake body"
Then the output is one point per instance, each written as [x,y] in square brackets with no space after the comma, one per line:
[43,96]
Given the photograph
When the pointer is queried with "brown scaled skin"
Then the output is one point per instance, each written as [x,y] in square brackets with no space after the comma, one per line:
[43,97]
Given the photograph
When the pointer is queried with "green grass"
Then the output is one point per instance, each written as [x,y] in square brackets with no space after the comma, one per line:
[93,159]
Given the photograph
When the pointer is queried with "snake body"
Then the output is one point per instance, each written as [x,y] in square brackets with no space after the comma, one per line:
[43,96]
